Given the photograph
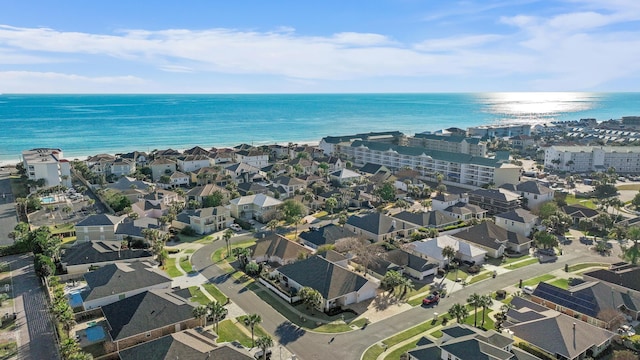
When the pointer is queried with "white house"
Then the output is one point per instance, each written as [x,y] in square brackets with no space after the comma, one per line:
[47,164]
[432,249]
[533,193]
[520,221]
[258,206]
[443,200]
[192,163]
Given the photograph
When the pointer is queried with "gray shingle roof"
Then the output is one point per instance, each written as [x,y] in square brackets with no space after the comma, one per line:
[121,277]
[327,234]
[90,252]
[628,277]
[100,220]
[533,187]
[428,219]
[279,246]
[378,223]
[490,235]
[519,215]
[145,312]
[331,280]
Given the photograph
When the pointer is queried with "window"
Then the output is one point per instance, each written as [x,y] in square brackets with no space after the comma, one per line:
[101,228]
[148,333]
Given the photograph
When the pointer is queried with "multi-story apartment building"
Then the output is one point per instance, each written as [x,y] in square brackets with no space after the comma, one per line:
[495,201]
[499,130]
[455,167]
[328,144]
[625,159]
[47,164]
[450,143]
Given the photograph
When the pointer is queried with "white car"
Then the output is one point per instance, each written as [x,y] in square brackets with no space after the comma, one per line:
[235,227]
[528,290]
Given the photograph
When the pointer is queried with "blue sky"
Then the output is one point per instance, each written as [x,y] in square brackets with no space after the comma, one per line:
[262,46]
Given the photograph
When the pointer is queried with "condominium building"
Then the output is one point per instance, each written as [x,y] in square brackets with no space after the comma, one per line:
[328,144]
[47,164]
[625,159]
[454,167]
[499,130]
[495,201]
[450,143]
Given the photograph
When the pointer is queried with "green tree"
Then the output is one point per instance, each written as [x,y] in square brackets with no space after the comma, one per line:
[252,268]
[273,225]
[545,240]
[387,192]
[252,320]
[68,348]
[459,312]
[632,253]
[264,342]
[449,253]
[241,254]
[200,312]
[291,209]
[391,280]
[330,204]
[227,237]
[43,265]
[636,201]
[217,312]
[310,297]
[475,300]
[215,199]
[485,302]
[407,286]
[547,209]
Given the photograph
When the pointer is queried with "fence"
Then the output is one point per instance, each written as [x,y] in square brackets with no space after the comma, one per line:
[289,299]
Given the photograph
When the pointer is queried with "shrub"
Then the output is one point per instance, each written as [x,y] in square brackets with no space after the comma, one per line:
[188,230]
[473,269]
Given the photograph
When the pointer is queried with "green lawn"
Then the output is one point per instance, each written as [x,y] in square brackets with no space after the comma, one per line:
[18,187]
[452,275]
[228,331]
[521,264]
[196,239]
[395,354]
[185,264]
[561,283]
[258,330]
[578,267]
[8,350]
[198,296]
[480,277]
[373,352]
[629,187]
[537,280]
[62,228]
[170,267]
[216,293]
[571,200]
[509,260]
[189,251]
[411,332]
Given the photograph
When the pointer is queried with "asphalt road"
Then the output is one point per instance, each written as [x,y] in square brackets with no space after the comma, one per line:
[36,337]
[8,216]
[308,345]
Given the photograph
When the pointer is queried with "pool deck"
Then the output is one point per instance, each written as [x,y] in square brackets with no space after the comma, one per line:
[81,331]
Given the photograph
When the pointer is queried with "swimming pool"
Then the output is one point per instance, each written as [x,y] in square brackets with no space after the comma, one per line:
[75,299]
[48,200]
[95,333]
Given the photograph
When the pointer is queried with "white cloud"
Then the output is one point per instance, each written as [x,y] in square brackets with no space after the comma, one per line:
[457,43]
[48,82]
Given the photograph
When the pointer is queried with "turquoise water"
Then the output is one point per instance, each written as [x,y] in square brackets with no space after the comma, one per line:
[95,333]
[48,200]
[75,300]
[90,124]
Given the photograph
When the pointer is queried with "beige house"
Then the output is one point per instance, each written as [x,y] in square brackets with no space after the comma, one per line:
[206,220]
[259,206]
[98,227]
[278,249]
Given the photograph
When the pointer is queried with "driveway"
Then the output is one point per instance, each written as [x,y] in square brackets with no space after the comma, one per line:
[35,331]
[308,345]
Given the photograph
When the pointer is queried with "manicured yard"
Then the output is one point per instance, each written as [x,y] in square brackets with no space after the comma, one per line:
[258,331]
[537,280]
[395,354]
[228,331]
[8,350]
[522,264]
[18,186]
[216,293]
[411,332]
[185,264]
[629,187]
[571,200]
[170,267]
[561,283]
[510,260]
[196,239]
[482,276]
[189,251]
[198,296]
[452,275]
[373,352]
[578,267]
[62,228]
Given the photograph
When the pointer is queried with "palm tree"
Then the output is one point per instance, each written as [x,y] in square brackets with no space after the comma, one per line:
[273,225]
[264,342]
[217,312]
[449,253]
[407,285]
[68,348]
[486,301]
[476,301]
[458,311]
[200,312]
[242,254]
[251,321]
[227,236]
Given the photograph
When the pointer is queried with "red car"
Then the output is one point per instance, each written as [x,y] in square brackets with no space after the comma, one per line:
[431,299]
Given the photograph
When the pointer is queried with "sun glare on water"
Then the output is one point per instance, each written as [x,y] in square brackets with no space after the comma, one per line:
[535,107]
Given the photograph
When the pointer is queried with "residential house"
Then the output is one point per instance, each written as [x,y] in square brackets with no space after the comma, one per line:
[379,227]
[579,212]
[122,167]
[223,156]
[330,234]
[161,167]
[191,163]
[411,264]
[178,179]
[431,249]
[241,172]
[145,317]
[98,227]
[254,157]
[277,249]
[140,158]
[494,239]
[444,200]
[465,212]
[165,197]
[520,221]
[205,220]
[533,193]
[150,208]
[117,281]
[197,150]
[289,184]
[369,169]
[84,255]
[338,286]
[464,342]
[345,176]
[129,229]
[521,141]
[128,183]
[166,154]
[206,175]
[303,166]
[586,300]
[188,344]
[199,193]
[559,335]
[259,206]
[251,188]
[495,201]
[622,277]
[48,164]
[430,219]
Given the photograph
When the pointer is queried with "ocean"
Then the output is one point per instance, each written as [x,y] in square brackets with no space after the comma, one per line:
[83,125]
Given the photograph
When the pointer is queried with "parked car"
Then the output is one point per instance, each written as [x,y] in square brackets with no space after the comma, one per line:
[431,299]
[469,262]
[235,227]
[548,252]
[259,354]
[528,290]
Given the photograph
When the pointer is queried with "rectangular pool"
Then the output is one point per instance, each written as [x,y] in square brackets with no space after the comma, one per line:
[95,333]
[48,200]
[75,300]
